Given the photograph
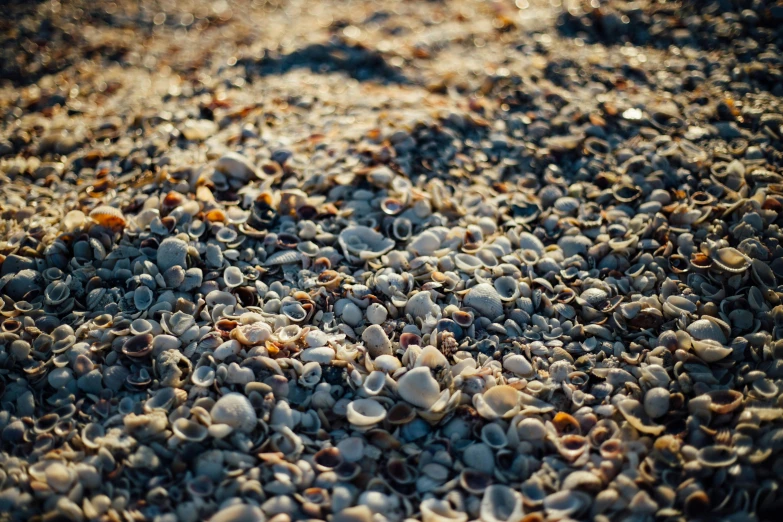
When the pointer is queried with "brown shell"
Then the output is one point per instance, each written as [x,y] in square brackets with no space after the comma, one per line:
[109,217]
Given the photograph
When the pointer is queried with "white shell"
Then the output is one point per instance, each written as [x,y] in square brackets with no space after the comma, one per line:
[704,329]
[420,305]
[233,276]
[235,410]
[374,383]
[434,510]
[365,412]
[485,300]
[419,388]
[500,504]
[322,354]
[518,365]
[364,242]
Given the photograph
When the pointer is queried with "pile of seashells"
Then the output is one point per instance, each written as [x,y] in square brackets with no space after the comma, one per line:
[532,306]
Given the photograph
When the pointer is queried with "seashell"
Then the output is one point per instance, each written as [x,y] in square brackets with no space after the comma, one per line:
[563,504]
[392,206]
[284,257]
[376,313]
[731,260]
[321,355]
[142,298]
[401,413]
[387,363]
[327,459]
[679,264]
[634,413]
[189,430]
[704,329]
[294,311]
[363,413]
[468,263]
[92,434]
[463,318]
[289,334]
[373,384]
[434,510]
[376,341]
[494,436]
[364,242]
[418,387]
[485,300]
[710,351]
[582,480]
[656,402]
[500,504]
[507,288]
[235,410]
[56,292]
[402,228]
[59,477]
[474,482]
[724,401]
[203,376]
[233,276]
[717,456]
[531,429]
[108,217]
[420,305]
[572,446]
[424,244]
[433,359]
[763,274]
[252,334]
[409,339]
[518,365]
[138,345]
[239,513]
[499,402]
[311,375]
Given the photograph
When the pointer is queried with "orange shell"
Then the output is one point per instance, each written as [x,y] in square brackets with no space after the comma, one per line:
[108,216]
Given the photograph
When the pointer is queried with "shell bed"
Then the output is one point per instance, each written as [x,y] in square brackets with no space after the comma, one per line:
[385,261]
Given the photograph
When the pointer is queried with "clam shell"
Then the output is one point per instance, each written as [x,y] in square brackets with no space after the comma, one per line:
[710,351]
[705,329]
[235,410]
[374,383]
[499,402]
[634,413]
[189,430]
[507,288]
[233,276]
[420,305]
[294,311]
[731,260]
[418,387]
[365,412]
[717,456]
[434,510]
[485,300]
[500,504]
[518,365]
[109,217]
[239,513]
[364,242]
